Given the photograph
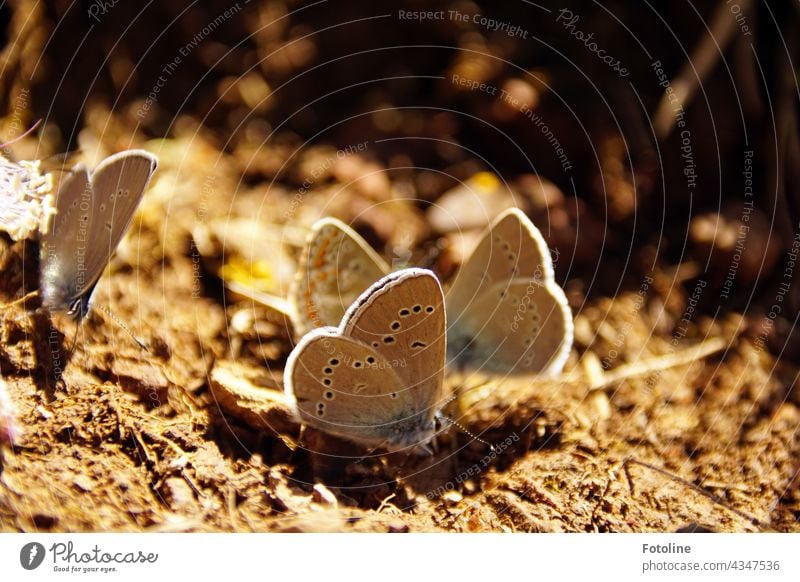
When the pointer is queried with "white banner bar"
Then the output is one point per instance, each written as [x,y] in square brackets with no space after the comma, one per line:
[390,557]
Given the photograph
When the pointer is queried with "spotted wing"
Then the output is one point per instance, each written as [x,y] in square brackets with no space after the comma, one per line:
[512,247]
[337,265]
[402,318]
[343,387]
[519,327]
[118,183]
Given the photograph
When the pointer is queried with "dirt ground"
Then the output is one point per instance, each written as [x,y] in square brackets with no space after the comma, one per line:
[192,437]
[676,411]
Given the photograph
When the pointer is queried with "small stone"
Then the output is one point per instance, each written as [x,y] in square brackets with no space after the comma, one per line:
[452,497]
[324,496]
[593,369]
[472,204]
[518,98]
[83,483]
[178,494]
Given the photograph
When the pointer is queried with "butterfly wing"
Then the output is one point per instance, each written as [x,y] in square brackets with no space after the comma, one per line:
[509,270]
[337,265]
[512,247]
[521,326]
[64,247]
[94,211]
[376,379]
[118,183]
[343,387]
[402,318]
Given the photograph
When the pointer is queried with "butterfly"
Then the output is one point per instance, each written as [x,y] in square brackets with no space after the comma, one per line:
[505,312]
[336,266]
[377,378]
[94,210]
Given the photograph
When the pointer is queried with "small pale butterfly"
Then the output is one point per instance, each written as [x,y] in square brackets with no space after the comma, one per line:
[336,266]
[377,378]
[94,212]
[505,311]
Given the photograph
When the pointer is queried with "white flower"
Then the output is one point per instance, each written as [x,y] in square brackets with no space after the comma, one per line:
[26,200]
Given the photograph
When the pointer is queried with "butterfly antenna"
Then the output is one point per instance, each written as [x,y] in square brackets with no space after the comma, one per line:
[121,323]
[463,429]
[452,398]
